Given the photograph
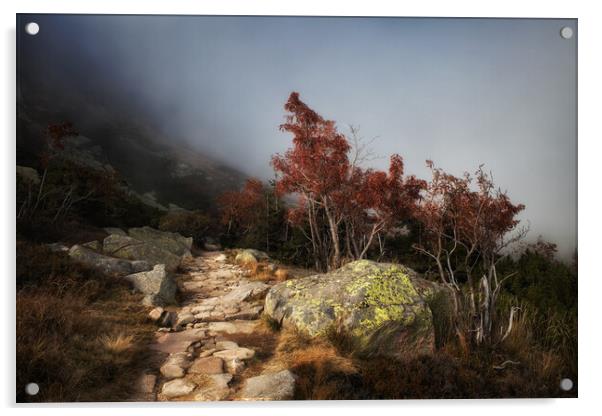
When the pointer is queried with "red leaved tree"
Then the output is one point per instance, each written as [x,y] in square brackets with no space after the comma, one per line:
[466,232]
[375,202]
[314,169]
[343,207]
[240,209]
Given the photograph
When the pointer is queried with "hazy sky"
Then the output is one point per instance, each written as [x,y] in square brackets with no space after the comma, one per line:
[458,91]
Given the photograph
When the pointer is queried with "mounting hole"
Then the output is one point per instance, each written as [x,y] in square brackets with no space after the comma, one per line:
[566,384]
[566,32]
[32,28]
[32,389]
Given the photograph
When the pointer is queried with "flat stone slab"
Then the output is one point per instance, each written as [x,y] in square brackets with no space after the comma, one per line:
[178,387]
[274,386]
[225,345]
[171,342]
[207,365]
[236,353]
[245,291]
[234,327]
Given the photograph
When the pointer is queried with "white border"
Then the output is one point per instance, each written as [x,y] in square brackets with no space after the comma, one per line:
[590,291]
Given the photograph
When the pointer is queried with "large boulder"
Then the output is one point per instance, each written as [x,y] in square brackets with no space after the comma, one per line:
[106,264]
[157,286]
[383,308]
[172,242]
[130,248]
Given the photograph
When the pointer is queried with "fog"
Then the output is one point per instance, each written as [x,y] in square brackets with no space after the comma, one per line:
[461,92]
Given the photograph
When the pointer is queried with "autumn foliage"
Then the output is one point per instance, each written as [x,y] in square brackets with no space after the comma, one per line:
[343,207]
[467,224]
[240,209]
[346,211]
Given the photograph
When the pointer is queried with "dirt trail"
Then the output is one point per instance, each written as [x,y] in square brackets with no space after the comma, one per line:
[211,350]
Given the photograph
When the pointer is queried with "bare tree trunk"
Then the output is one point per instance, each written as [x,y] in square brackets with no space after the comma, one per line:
[484,324]
[510,323]
[334,235]
[373,232]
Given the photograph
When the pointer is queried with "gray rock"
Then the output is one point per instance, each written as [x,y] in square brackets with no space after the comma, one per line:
[383,307]
[248,313]
[225,345]
[233,327]
[58,247]
[173,342]
[129,248]
[172,242]
[177,388]
[157,285]
[274,386]
[106,264]
[248,291]
[207,365]
[93,245]
[175,366]
[235,353]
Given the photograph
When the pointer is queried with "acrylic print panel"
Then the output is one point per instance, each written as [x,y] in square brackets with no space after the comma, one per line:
[276,208]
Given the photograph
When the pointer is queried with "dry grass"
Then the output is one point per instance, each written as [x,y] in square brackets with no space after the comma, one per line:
[281,275]
[327,369]
[260,271]
[117,343]
[322,372]
[81,335]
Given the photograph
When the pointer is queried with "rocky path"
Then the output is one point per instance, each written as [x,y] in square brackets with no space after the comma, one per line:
[201,358]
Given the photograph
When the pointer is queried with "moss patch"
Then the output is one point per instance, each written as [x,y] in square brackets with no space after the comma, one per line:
[389,293]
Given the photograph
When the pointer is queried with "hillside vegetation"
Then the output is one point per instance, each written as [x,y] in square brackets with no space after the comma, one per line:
[437,293]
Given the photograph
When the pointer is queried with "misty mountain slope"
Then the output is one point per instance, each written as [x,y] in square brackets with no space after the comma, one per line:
[150,163]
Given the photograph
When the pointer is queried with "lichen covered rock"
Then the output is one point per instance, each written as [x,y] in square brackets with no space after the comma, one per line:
[107,264]
[132,249]
[383,308]
[172,242]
